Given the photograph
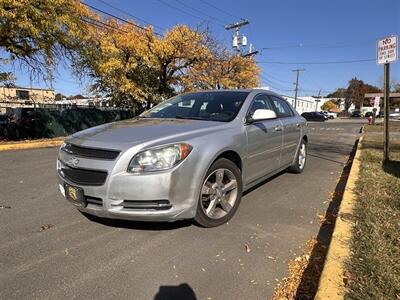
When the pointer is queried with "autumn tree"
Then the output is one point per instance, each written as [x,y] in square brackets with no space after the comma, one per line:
[38,33]
[136,66]
[328,105]
[174,54]
[339,93]
[356,91]
[7,79]
[223,69]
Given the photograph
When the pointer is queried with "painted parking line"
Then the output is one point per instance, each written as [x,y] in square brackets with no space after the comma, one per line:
[327,128]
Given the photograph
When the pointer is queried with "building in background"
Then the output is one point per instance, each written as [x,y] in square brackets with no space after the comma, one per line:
[25,97]
[309,103]
[85,102]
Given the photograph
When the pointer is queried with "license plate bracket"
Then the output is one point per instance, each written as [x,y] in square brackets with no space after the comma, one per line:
[75,195]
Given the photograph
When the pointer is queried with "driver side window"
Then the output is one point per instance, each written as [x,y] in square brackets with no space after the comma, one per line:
[260,102]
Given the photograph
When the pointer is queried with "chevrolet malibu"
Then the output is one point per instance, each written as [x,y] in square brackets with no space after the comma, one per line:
[190,157]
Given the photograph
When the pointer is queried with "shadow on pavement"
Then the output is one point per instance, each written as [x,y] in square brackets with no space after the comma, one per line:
[182,291]
[327,159]
[151,226]
[309,282]
[248,191]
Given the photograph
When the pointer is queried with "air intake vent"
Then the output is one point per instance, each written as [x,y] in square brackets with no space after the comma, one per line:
[94,201]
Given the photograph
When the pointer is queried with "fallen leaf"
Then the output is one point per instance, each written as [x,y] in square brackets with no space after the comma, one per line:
[45,227]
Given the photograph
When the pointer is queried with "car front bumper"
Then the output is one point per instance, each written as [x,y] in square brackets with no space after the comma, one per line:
[160,196]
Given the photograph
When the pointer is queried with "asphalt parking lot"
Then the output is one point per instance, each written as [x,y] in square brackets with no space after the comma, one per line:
[49,250]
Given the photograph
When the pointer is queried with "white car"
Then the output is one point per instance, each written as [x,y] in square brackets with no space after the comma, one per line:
[330,115]
[395,115]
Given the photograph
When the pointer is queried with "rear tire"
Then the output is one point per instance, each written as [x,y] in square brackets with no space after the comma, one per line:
[220,194]
[301,159]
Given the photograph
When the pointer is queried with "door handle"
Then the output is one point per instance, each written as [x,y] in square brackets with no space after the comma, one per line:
[278,128]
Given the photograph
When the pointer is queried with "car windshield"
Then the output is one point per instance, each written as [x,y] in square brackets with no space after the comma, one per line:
[220,106]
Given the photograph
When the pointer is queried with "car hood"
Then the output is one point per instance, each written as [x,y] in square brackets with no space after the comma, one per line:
[124,134]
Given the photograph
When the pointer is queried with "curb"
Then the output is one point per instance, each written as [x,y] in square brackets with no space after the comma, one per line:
[332,280]
[31,145]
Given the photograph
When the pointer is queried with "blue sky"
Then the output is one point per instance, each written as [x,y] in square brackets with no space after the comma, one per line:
[328,30]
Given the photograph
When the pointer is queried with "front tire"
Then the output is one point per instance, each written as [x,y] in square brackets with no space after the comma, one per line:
[301,158]
[220,194]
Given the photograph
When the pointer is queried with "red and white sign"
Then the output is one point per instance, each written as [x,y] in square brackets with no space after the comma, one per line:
[386,50]
[377,100]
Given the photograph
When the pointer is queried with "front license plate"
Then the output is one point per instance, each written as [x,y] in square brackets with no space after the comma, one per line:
[74,194]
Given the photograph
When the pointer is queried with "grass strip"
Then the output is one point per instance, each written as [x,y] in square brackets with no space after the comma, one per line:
[373,270]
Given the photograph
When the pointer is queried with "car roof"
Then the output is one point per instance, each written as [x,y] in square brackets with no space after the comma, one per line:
[260,90]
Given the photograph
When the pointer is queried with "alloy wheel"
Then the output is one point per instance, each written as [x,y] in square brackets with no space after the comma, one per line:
[219,193]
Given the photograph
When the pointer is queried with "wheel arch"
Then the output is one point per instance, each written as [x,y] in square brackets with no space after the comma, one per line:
[231,155]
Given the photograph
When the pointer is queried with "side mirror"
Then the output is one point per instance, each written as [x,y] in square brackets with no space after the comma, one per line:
[262,114]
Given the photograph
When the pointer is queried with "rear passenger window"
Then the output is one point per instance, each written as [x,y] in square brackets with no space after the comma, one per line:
[282,108]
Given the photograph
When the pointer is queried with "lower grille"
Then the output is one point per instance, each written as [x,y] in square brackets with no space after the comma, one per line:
[94,201]
[83,176]
[144,204]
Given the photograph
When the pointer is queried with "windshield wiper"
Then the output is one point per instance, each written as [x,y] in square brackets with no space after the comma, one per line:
[190,118]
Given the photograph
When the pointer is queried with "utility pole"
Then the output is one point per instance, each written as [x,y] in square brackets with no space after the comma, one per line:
[237,40]
[297,85]
[318,100]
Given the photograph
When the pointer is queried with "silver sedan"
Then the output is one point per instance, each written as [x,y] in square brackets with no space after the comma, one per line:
[190,157]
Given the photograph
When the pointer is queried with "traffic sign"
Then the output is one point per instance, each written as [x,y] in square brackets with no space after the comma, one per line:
[377,101]
[387,50]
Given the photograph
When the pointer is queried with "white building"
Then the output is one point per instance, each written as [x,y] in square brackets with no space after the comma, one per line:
[309,103]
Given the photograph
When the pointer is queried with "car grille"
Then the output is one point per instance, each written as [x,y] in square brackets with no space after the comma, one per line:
[83,176]
[90,152]
[144,204]
[94,201]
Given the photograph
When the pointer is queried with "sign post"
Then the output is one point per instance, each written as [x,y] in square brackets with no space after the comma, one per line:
[387,52]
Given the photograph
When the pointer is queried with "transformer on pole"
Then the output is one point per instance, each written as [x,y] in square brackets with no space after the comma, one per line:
[240,41]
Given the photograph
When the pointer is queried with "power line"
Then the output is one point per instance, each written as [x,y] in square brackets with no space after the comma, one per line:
[272,85]
[101,25]
[277,79]
[317,63]
[113,16]
[322,46]
[199,11]
[129,14]
[183,11]
[219,9]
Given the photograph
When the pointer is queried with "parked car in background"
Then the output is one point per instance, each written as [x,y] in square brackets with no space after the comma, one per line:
[190,157]
[314,116]
[330,115]
[356,114]
[395,115]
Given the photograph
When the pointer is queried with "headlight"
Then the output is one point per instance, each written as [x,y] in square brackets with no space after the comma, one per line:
[158,159]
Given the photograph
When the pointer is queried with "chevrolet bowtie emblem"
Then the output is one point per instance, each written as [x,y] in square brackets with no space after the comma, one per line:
[73,161]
